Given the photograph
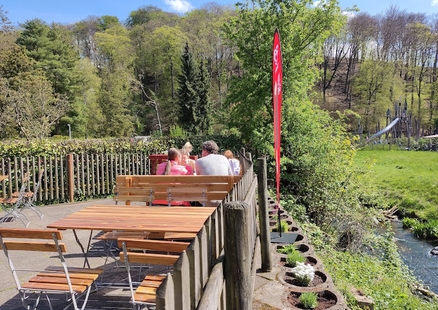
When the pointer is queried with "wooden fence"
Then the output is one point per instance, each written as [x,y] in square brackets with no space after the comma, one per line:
[202,265]
[71,177]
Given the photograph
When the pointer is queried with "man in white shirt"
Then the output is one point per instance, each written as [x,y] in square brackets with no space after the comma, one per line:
[211,163]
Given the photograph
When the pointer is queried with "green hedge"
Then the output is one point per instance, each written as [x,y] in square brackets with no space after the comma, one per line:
[48,147]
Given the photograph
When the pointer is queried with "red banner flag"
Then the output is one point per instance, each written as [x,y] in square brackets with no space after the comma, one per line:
[277,82]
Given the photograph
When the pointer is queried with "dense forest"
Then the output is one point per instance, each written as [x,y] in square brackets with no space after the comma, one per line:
[157,70]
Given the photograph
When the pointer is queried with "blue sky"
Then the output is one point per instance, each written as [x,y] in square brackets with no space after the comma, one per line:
[71,11]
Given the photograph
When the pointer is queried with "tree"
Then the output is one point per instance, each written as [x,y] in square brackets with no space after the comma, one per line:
[303,30]
[117,78]
[51,47]
[187,96]
[36,109]
[373,85]
[204,110]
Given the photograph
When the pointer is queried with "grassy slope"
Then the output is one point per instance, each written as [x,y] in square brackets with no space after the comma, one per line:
[407,178]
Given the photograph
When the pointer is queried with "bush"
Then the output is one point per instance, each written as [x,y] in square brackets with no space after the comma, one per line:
[288,249]
[309,300]
[284,226]
[294,257]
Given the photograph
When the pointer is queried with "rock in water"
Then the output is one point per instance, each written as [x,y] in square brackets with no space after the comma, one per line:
[434,251]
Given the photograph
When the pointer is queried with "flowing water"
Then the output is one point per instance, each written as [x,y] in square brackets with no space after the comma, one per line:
[415,254]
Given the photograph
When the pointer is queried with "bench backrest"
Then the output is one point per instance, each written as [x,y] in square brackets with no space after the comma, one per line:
[164,252]
[146,188]
[31,245]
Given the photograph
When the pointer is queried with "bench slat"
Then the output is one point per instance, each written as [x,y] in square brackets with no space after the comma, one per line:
[150,298]
[54,287]
[97,271]
[61,280]
[114,235]
[29,233]
[154,245]
[34,246]
[88,276]
[150,258]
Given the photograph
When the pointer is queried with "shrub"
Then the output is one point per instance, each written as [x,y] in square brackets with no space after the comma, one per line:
[294,257]
[309,300]
[284,226]
[409,222]
[287,249]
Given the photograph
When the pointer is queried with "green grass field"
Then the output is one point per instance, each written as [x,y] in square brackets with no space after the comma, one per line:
[407,178]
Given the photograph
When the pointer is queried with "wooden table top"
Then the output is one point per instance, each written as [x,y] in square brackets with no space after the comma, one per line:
[136,218]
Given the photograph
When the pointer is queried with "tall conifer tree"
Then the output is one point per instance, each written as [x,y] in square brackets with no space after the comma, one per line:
[204,105]
[187,96]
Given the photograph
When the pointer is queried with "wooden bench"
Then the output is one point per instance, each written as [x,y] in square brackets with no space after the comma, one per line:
[139,251]
[147,188]
[54,279]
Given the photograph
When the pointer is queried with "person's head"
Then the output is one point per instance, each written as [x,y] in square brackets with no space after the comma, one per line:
[184,159]
[173,154]
[209,147]
[187,148]
[228,154]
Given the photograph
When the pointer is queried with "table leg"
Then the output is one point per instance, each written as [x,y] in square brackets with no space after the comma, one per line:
[86,262]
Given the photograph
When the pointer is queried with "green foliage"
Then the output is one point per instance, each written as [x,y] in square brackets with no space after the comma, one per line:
[284,226]
[293,257]
[303,28]
[186,94]
[289,248]
[409,222]
[309,300]
[62,147]
[51,48]
[428,230]
[177,132]
[204,109]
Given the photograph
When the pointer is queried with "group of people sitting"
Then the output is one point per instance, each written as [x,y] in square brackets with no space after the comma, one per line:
[211,163]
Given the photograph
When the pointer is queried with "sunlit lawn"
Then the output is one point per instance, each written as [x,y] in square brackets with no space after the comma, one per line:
[408,178]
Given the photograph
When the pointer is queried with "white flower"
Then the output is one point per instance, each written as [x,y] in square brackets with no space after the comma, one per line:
[304,271]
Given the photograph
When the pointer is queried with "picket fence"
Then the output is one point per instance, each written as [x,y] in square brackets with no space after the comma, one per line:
[72,177]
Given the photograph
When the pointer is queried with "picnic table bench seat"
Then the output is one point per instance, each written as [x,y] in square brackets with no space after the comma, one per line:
[159,252]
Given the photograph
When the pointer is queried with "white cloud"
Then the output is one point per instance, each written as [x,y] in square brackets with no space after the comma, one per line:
[434,2]
[182,6]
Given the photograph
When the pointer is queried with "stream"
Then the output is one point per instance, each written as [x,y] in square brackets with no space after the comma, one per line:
[415,254]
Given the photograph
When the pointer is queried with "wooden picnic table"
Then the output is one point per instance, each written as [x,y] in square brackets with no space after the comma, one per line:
[136,218]
[160,219]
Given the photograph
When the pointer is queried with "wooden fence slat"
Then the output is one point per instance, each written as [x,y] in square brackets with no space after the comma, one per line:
[87,162]
[165,295]
[83,187]
[193,253]
[102,173]
[52,196]
[61,181]
[204,255]
[181,272]
[214,290]
[46,187]
[93,179]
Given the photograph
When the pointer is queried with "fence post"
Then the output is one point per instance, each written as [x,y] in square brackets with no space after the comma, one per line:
[70,177]
[238,258]
[265,236]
